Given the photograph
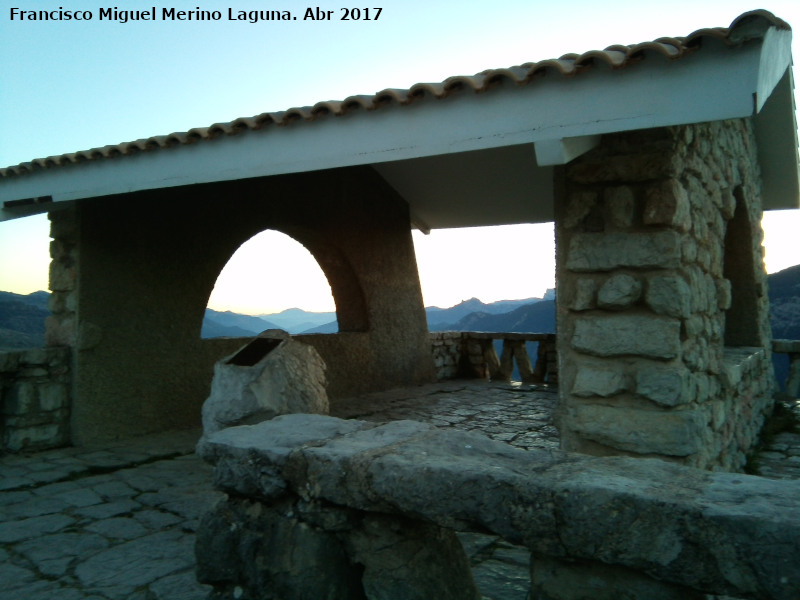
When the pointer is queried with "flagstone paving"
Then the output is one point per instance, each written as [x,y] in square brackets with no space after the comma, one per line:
[118,522]
[515,413]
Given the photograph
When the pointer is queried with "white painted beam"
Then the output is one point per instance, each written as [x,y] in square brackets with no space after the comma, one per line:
[775,59]
[560,152]
[420,224]
[776,137]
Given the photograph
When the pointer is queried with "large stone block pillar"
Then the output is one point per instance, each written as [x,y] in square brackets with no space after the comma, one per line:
[645,296]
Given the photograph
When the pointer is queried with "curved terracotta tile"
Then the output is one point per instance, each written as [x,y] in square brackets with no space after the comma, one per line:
[747,26]
[388,96]
[357,102]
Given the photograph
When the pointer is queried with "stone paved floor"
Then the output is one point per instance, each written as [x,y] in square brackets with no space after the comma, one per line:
[111,523]
[515,413]
[118,522]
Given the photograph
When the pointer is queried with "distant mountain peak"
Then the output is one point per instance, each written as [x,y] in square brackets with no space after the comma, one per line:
[471,302]
[297,311]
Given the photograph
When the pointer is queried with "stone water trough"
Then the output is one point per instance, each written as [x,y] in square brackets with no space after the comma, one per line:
[271,375]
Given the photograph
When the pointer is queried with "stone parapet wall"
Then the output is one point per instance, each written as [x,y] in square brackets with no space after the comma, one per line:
[746,396]
[660,268]
[369,510]
[35,399]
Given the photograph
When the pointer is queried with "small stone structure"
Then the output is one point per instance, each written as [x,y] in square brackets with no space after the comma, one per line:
[35,399]
[663,330]
[366,509]
[663,333]
[271,375]
[656,192]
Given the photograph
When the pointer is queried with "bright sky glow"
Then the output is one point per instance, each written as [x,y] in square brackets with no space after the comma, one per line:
[264,273]
[68,86]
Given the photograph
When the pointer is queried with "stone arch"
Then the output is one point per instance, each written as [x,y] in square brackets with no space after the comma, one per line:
[742,327]
[348,295]
[338,274]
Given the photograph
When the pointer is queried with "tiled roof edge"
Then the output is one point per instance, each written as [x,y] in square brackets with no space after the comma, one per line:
[748,26]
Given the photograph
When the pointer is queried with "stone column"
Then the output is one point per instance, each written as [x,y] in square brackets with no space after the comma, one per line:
[60,327]
[640,230]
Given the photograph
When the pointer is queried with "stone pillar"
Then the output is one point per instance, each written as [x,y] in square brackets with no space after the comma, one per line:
[60,326]
[641,227]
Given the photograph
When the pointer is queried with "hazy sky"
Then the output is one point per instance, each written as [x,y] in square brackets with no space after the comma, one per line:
[70,85]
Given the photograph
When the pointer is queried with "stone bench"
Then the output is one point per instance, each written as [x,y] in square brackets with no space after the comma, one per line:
[367,511]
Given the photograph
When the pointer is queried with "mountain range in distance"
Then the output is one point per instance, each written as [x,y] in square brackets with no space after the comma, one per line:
[22,317]
[295,320]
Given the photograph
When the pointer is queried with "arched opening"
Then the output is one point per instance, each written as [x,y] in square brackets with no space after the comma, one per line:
[485,279]
[271,281]
[741,319]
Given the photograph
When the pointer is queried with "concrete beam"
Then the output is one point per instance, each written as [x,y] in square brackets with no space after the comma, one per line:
[560,152]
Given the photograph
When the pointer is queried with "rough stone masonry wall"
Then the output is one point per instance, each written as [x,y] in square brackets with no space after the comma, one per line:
[319,507]
[60,326]
[446,347]
[645,291]
[34,396]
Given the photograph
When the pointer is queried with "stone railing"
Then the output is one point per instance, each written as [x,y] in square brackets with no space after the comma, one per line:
[792,348]
[472,354]
[323,507]
[34,398]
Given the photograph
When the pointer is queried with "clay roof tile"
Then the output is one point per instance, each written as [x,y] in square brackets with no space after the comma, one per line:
[750,25]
